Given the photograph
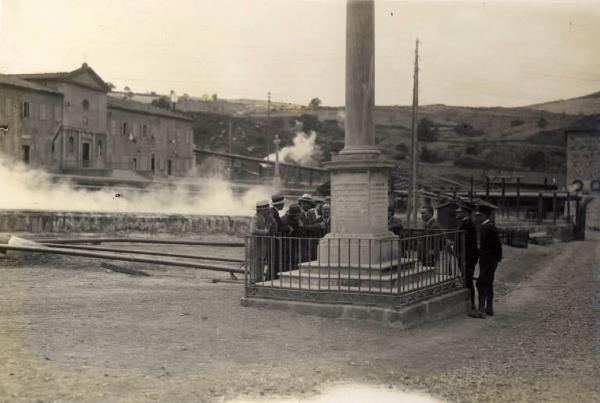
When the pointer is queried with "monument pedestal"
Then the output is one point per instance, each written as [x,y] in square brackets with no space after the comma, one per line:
[359,223]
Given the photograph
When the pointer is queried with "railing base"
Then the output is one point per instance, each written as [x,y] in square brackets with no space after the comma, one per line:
[421,310]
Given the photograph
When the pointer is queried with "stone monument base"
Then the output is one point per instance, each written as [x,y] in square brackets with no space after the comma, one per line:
[358,250]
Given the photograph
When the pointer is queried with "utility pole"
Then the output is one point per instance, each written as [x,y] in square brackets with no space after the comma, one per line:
[268,134]
[229,139]
[414,142]
[276,176]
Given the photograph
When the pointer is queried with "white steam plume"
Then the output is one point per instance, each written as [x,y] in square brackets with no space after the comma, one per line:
[304,151]
[24,188]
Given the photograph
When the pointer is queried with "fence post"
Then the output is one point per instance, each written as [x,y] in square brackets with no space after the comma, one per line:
[554,207]
[518,198]
[540,208]
[568,207]
[471,190]
[502,198]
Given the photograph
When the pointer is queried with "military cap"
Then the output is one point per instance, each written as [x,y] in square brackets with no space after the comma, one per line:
[294,210]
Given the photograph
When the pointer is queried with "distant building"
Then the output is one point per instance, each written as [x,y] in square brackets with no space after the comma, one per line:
[583,166]
[65,123]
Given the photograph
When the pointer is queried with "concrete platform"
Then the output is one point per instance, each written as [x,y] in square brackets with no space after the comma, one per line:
[427,310]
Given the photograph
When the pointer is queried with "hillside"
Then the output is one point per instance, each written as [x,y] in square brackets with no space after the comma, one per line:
[525,138]
[585,105]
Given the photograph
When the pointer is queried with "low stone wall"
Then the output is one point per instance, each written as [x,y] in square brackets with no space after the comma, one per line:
[34,221]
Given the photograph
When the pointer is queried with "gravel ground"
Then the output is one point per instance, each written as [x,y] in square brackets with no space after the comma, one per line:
[73,331]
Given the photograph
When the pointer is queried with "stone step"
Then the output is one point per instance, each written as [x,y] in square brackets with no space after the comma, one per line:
[346,278]
[404,287]
[365,268]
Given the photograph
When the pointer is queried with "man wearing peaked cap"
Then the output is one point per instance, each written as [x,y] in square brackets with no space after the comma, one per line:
[490,254]
[470,250]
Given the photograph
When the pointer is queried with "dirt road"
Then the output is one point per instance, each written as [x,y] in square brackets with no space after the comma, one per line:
[72,331]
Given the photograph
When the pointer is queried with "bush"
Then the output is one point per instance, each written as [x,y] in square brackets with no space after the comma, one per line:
[401,147]
[542,123]
[426,131]
[472,150]
[516,122]
[467,129]
[428,155]
[535,160]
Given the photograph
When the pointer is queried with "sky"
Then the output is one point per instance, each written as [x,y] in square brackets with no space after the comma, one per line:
[493,53]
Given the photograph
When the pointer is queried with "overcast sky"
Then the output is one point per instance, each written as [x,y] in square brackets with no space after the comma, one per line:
[472,53]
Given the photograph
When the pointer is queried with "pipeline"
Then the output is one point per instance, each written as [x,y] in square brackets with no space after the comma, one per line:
[142,252]
[138,240]
[109,256]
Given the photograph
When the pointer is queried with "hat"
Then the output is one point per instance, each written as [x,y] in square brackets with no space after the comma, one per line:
[306,197]
[487,210]
[263,204]
[277,199]
[466,207]
[294,210]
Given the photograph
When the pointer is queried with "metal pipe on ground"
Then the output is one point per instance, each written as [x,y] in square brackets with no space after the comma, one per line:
[142,252]
[109,256]
[138,240]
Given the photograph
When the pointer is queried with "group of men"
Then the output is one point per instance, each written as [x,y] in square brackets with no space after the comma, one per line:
[282,242]
[289,239]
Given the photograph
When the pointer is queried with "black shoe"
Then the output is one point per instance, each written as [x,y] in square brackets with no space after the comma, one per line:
[489,313]
[477,314]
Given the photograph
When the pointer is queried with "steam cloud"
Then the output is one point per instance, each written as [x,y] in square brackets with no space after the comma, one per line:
[304,151]
[25,188]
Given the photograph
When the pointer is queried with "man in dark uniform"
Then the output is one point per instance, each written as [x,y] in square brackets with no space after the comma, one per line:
[311,228]
[490,254]
[291,244]
[471,251]
[279,230]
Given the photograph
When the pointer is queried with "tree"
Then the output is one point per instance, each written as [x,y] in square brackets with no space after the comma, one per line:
[214,97]
[428,155]
[111,86]
[127,89]
[426,130]
[467,129]
[314,103]
[163,102]
[542,123]
[534,160]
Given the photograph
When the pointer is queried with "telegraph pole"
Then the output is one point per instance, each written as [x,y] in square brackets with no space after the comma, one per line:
[414,142]
[229,139]
[268,135]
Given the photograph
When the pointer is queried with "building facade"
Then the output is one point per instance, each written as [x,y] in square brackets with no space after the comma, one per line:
[66,123]
[583,167]
[30,120]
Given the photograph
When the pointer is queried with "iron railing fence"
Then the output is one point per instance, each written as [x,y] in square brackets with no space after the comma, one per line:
[349,265]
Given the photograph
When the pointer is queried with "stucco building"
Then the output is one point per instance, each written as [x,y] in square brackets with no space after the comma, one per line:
[66,123]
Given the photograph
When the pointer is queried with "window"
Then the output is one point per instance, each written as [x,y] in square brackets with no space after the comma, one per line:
[25,155]
[125,129]
[71,145]
[25,109]
[144,130]
[85,104]
[43,112]
[99,149]
[169,167]
[152,164]
[135,164]
[57,113]
[85,121]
